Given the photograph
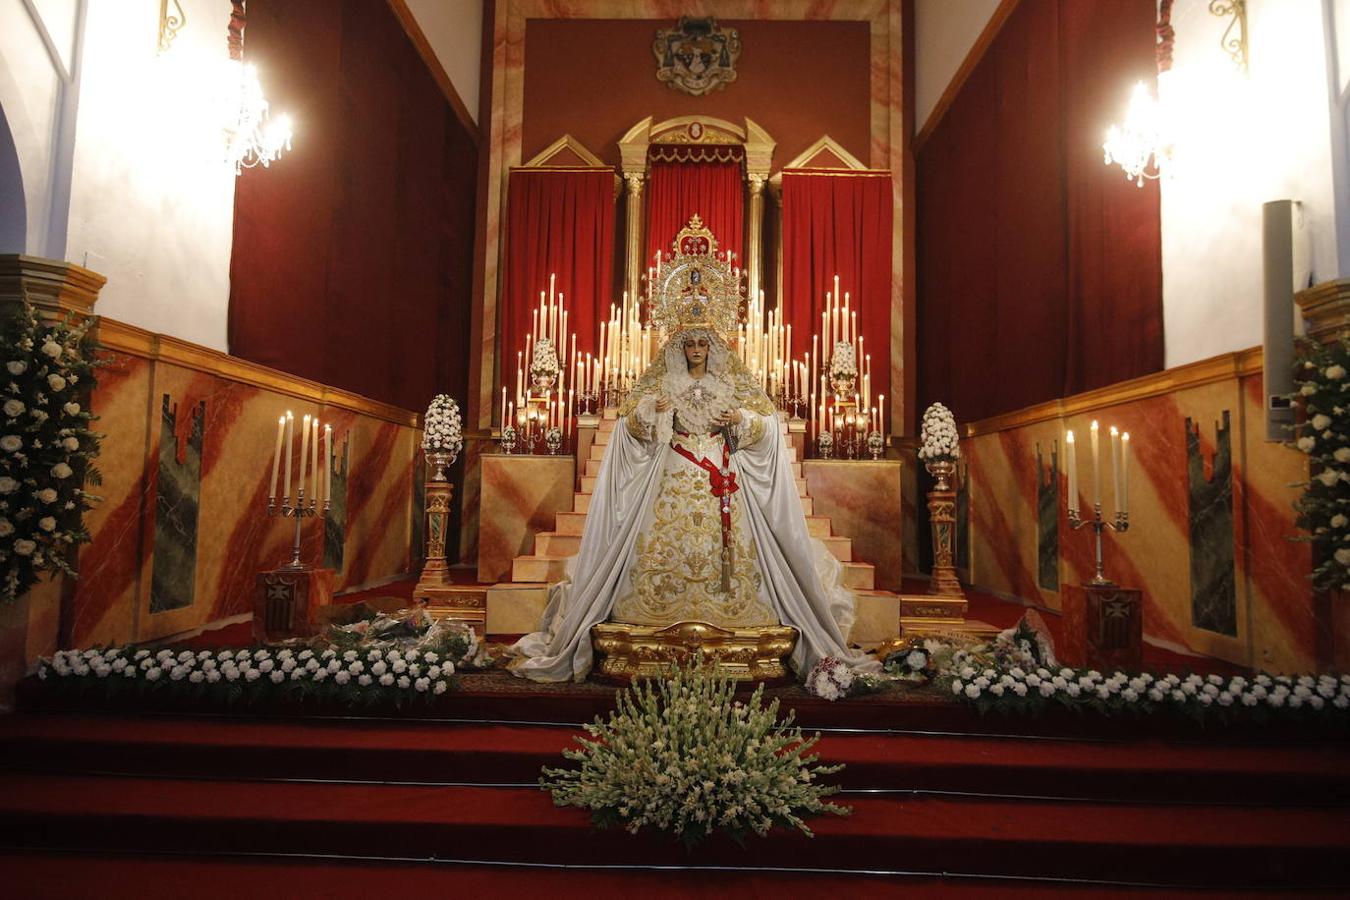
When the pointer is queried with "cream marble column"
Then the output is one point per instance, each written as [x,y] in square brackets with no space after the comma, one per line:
[754,249]
[633,272]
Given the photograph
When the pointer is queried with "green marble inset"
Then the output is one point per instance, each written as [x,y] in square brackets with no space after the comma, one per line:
[961,556]
[1047,519]
[335,519]
[419,511]
[177,498]
[1213,570]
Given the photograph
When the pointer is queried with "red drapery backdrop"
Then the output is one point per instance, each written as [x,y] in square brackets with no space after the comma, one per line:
[714,190]
[839,224]
[353,254]
[558,223]
[1039,268]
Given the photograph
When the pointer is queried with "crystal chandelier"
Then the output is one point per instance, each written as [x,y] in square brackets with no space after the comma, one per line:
[252,138]
[1140,145]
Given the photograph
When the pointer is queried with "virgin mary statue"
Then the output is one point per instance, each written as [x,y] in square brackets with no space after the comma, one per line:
[695,514]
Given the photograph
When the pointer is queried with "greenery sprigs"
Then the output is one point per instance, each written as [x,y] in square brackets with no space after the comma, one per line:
[1324,508]
[46,446]
[683,755]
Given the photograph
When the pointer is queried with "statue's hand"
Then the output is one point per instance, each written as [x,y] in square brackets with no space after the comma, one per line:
[662,403]
[729,417]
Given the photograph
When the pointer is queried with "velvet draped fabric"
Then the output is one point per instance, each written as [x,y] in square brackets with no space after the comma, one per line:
[558,223]
[353,254]
[677,190]
[1039,268]
[839,224]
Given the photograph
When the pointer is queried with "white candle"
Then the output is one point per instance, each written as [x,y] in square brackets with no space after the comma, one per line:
[1125,472]
[881,417]
[314,462]
[503,406]
[1071,459]
[290,444]
[304,457]
[327,463]
[1096,466]
[276,457]
[1115,467]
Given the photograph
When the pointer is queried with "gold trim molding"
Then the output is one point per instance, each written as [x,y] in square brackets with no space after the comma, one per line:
[1325,308]
[649,651]
[1169,381]
[119,337]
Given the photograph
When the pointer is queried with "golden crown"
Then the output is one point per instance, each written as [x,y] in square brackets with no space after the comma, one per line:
[694,287]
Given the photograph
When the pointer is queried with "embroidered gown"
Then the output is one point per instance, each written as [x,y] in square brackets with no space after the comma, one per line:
[681,528]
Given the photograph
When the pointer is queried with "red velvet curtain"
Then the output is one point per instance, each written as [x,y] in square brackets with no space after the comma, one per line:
[714,190]
[839,224]
[558,223]
[352,255]
[1039,268]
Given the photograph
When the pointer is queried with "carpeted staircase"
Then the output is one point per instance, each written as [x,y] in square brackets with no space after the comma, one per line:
[90,796]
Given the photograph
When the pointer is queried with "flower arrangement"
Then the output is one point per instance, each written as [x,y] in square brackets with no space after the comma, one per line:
[830,679]
[1323,375]
[682,755]
[376,660]
[938,434]
[442,428]
[46,447]
[544,361]
[844,360]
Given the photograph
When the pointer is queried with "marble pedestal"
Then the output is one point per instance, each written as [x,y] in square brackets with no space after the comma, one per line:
[521,496]
[863,500]
[1103,628]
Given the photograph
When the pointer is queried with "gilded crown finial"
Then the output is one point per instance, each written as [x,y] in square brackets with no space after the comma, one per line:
[694,287]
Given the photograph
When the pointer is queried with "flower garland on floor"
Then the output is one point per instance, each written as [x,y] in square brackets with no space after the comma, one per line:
[46,447]
[388,660]
[682,755]
[1323,375]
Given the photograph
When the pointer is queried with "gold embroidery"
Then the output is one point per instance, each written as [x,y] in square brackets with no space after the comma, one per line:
[637,428]
[678,572]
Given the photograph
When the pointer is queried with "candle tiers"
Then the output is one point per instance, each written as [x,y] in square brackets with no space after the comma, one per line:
[1098,525]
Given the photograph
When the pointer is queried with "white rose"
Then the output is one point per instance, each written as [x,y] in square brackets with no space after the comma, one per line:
[441,686]
[25,547]
[1335,373]
[1321,422]
[47,523]
[71,443]
[72,409]
[16,367]
[386,679]
[7,484]
[1307,443]
[56,382]
[11,443]
[61,470]
[13,408]
[6,527]
[1329,477]
[52,348]
[1343,556]
[1342,454]
[1308,390]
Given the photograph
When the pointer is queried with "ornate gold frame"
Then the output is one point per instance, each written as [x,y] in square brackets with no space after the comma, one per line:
[648,651]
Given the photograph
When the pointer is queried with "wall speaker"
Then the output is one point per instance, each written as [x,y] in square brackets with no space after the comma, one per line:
[1284,247]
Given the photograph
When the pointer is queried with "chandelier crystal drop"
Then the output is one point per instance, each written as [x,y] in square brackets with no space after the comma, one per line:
[254,138]
[1141,144]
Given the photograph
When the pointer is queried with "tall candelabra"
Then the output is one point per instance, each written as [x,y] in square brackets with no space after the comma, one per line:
[309,473]
[1120,474]
[1120,525]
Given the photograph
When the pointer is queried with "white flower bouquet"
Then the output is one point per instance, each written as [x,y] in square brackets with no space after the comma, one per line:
[442,428]
[46,447]
[844,360]
[1323,374]
[938,435]
[544,359]
[683,755]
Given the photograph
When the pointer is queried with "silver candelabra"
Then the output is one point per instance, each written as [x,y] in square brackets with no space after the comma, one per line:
[1120,526]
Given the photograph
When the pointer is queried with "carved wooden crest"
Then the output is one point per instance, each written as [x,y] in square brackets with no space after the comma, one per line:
[696,56]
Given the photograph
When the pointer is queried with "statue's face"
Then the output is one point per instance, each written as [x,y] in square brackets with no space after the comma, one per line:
[696,350]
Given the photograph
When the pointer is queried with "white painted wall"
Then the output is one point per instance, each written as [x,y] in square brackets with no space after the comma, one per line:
[454,28]
[1240,141]
[944,32]
[134,185]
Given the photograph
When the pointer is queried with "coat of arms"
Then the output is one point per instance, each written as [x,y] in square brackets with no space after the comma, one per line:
[697,56]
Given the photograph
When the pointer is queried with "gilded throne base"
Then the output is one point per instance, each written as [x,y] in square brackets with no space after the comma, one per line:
[624,652]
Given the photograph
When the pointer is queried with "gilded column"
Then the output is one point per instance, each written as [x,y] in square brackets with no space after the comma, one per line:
[754,249]
[633,273]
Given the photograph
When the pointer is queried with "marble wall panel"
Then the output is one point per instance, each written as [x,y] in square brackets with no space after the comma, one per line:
[863,500]
[1211,522]
[521,496]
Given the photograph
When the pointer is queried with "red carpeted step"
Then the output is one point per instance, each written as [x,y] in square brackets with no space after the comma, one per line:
[60,876]
[1176,844]
[492,754]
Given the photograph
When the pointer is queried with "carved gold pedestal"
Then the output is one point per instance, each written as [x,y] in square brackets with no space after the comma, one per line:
[457,603]
[942,518]
[644,651]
